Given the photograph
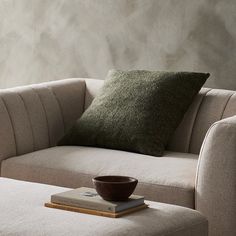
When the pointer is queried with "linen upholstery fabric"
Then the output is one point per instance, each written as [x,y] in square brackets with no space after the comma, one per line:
[50,121]
[36,117]
[216,179]
[136,111]
[160,219]
[211,110]
[93,86]
[168,179]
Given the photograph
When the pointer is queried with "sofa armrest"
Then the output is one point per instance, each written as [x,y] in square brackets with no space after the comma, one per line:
[215,194]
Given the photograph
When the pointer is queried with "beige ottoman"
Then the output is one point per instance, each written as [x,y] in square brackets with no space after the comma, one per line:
[22,213]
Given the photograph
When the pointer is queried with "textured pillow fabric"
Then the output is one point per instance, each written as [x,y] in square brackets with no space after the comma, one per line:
[136,111]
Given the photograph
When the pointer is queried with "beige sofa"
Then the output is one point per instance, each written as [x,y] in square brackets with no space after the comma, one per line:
[33,118]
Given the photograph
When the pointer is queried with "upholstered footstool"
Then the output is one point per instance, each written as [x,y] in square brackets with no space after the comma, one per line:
[23,213]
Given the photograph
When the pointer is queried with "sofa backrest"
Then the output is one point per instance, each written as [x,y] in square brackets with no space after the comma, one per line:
[209,106]
[35,117]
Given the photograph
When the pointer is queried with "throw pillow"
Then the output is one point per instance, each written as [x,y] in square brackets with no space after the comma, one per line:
[136,111]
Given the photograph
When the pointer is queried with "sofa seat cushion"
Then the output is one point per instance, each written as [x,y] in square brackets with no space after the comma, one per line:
[168,179]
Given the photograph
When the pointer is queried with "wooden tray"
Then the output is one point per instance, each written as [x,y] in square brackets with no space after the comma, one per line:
[95,212]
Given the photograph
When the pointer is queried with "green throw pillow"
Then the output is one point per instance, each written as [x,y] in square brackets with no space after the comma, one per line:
[136,111]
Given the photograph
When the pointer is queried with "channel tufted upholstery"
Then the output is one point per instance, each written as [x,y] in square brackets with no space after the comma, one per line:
[35,117]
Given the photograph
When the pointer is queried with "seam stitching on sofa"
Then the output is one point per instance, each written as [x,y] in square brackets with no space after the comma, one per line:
[226,105]
[30,123]
[13,129]
[194,122]
[184,228]
[44,109]
[60,107]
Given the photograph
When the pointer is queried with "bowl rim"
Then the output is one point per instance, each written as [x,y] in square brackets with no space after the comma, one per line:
[129,179]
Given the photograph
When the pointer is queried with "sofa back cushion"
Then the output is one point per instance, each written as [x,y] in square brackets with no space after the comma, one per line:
[36,117]
[209,106]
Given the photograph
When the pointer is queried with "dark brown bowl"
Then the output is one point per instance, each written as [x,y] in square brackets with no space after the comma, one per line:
[115,188]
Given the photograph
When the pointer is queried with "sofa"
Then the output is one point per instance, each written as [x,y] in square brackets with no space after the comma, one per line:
[198,169]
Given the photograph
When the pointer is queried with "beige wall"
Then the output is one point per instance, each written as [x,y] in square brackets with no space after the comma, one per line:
[44,40]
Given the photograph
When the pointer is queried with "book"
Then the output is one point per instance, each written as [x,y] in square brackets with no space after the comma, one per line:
[89,199]
[95,212]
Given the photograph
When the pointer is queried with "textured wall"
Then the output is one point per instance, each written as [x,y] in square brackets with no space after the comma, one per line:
[44,40]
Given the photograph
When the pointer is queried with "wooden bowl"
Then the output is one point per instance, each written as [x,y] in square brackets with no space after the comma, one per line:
[114,187]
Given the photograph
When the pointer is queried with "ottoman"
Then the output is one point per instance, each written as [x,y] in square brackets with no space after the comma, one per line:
[22,212]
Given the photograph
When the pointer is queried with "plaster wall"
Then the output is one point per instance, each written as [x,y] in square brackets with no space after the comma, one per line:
[42,40]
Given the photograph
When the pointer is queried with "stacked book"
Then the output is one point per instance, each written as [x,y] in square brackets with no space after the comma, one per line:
[86,200]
